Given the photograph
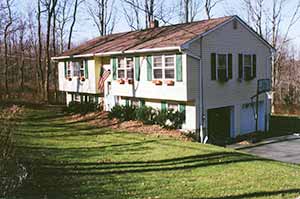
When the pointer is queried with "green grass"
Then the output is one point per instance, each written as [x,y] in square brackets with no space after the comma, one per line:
[74,160]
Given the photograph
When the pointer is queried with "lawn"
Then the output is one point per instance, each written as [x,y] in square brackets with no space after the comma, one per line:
[75,160]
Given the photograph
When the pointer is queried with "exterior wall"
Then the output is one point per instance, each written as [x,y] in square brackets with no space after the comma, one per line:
[233,92]
[193,80]
[75,85]
[147,89]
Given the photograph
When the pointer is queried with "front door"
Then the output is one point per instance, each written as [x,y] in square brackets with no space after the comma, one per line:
[219,124]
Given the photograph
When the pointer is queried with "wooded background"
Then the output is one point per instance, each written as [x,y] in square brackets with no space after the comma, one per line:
[28,39]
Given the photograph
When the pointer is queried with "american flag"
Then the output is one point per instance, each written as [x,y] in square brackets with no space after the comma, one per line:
[102,79]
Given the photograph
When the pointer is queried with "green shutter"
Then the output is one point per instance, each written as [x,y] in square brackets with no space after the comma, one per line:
[182,107]
[213,66]
[149,68]
[179,67]
[73,98]
[81,98]
[163,106]
[142,102]
[96,100]
[127,102]
[137,68]
[66,69]
[229,66]
[241,66]
[254,66]
[86,69]
[114,67]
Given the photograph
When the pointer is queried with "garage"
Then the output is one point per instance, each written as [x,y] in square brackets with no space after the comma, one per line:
[248,120]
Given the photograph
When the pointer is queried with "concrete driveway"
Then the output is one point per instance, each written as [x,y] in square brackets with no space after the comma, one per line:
[285,149]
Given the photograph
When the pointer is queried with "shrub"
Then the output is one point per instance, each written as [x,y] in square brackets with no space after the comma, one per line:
[169,119]
[82,108]
[123,113]
[145,114]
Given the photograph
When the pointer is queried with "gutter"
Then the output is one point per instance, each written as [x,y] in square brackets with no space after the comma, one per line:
[146,50]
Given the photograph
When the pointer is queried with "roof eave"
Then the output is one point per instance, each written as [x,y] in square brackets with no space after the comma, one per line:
[145,50]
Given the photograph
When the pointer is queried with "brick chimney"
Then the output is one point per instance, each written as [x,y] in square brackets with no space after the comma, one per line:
[154,23]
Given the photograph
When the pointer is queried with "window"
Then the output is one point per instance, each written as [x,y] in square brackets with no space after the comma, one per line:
[247,67]
[69,69]
[157,67]
[78,68]
[164,67]
[125,68]
[173,106]
[129,68]
[169,67]
[135,102]
[81,69]
[121,68]
[222,67]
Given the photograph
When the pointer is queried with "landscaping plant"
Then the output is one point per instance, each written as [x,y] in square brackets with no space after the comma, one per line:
[169,119]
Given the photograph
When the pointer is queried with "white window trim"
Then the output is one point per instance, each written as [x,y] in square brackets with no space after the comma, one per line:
[163,67]
[125,68]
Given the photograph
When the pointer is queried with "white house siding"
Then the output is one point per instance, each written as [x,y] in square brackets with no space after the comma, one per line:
[75,85]
[232,93]
[147,89]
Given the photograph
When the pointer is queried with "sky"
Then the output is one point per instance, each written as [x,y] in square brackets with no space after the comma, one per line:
[84,28]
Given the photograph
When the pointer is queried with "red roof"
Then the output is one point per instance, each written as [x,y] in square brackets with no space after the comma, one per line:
[165,36]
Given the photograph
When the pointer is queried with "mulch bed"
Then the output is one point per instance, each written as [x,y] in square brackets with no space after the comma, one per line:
[101,120]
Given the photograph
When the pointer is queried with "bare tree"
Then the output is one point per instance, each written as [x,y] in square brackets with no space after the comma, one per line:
[63,17]
[76,3]
[255,14]
[209,5]
[149,12]
[132,13]
[103,15]
[189,10]
[40,46]
[8,25]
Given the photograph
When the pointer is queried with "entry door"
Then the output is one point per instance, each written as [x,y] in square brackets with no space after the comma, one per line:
[219,123]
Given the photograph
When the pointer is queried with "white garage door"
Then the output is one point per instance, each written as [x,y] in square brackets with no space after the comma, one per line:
[247,118]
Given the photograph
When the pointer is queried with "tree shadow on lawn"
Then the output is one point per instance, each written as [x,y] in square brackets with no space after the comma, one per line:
[51,176]
[259,194]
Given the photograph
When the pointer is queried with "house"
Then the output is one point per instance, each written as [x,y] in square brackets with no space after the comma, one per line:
[209,69]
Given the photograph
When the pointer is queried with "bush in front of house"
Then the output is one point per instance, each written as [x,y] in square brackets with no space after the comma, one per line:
[123,113]
[169,119]
[82,107]
[145,114]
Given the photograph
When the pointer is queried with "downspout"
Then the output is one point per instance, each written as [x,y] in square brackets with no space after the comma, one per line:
[201,113]
[203,140]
